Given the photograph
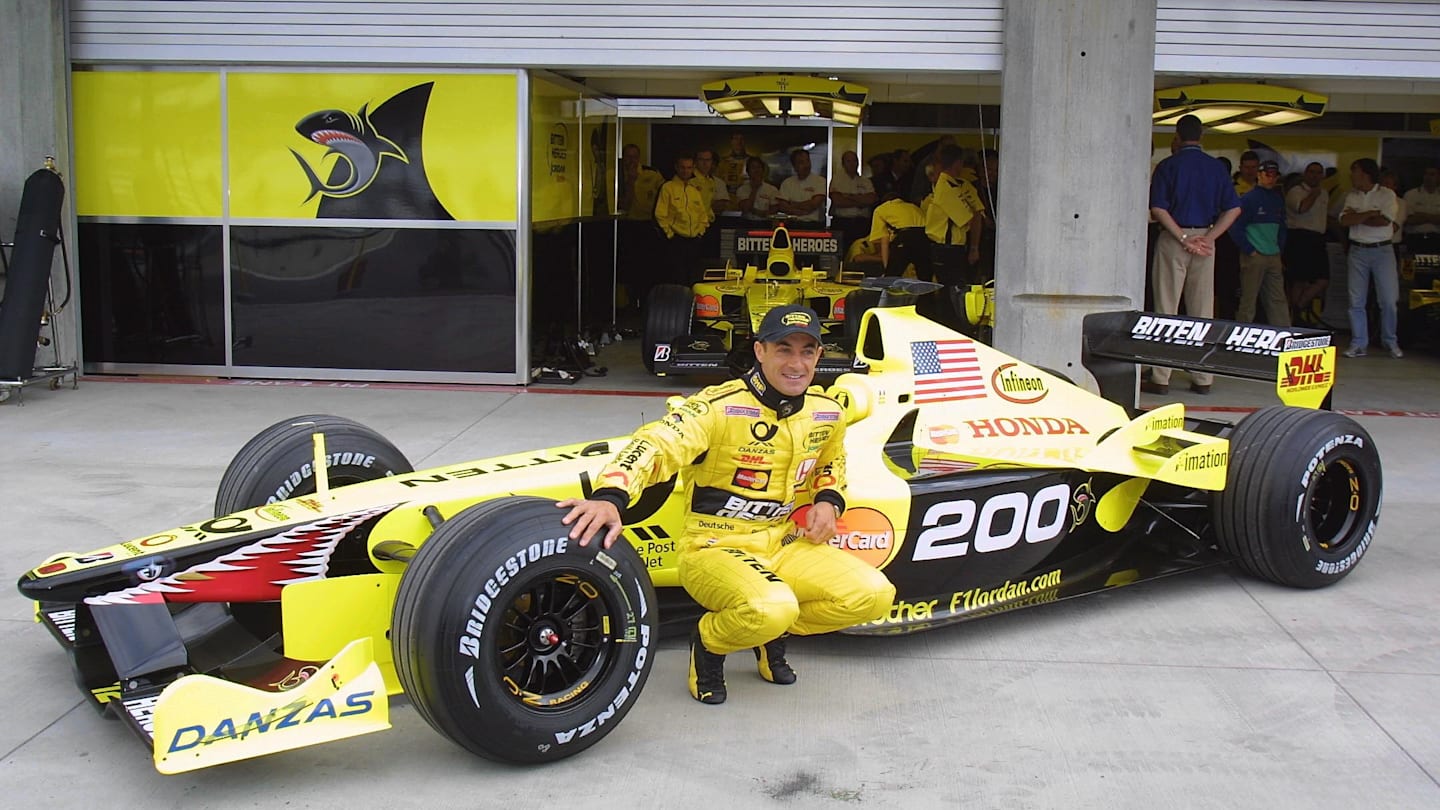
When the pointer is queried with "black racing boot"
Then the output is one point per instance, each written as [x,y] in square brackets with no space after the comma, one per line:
[707,672]
[773,667]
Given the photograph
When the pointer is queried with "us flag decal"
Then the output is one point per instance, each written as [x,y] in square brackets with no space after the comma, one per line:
[946,370]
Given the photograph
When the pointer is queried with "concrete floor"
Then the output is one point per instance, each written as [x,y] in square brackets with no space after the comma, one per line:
[1207,690]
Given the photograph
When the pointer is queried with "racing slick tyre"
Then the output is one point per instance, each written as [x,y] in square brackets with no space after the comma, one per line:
[667,316]
[518,643]
[1302,496]
[278,463]
[857,303]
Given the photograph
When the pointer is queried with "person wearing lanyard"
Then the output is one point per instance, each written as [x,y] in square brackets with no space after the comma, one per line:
[1194,201]
[1370,213]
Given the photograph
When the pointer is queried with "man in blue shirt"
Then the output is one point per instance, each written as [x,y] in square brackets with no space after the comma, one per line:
[1192,198]
[1259,232]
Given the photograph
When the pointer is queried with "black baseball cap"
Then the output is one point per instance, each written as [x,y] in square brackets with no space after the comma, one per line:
[781,322]
[1270,166]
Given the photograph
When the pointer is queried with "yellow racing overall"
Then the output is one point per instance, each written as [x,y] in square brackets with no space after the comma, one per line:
[750,458]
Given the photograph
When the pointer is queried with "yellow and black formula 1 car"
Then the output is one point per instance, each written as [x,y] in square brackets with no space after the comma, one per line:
[710,327]
[332,576]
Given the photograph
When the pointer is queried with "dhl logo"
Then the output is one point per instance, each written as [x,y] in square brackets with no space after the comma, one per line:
[1307,371]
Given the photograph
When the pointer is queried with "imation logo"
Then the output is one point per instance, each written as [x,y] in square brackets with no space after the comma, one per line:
[1013,387]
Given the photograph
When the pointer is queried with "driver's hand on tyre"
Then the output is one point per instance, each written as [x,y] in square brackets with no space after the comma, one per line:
[587,517]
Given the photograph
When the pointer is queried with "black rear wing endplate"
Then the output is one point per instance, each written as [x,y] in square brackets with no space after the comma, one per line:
[1113,343]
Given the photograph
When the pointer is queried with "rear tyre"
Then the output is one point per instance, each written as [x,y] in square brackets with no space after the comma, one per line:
[1302,497]
[278,463]
[517,643]
[667,316]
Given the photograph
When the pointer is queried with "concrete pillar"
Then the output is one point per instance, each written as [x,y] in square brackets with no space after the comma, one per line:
[34,122]
[1076,97]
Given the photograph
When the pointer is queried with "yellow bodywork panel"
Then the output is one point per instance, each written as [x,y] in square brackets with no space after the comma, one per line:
[323,615]
[201,721]
[1155,445]
[1117,505]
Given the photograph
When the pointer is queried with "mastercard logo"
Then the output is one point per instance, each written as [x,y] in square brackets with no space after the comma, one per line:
[752,479]
[944,434]
[862,532]
[707,306]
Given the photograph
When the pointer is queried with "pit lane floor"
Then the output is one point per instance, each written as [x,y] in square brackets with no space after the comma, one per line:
[1206,690]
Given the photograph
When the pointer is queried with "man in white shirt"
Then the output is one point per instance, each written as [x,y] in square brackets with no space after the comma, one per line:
[1422,227]
[1370,212]
[803,195]
[851,197]
[1307,264]
[756,197]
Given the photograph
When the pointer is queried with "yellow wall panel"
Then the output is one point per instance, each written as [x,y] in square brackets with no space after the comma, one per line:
[373,146]
[147,144]
[554,152]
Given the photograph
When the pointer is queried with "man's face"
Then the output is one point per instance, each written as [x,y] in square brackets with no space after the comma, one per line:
[630,157]
[685,168]
[850,162]
[755,170]
[903,163]
[1314,175]
[1432,179]
[1249,169]
[789,363]
[801,162]
[705,162]
[1360,180]
[1268,178]
[737,144]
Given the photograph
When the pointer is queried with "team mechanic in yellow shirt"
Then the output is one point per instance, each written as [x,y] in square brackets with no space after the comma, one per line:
[753,449]
[898,229]
[952,224]
[683,213]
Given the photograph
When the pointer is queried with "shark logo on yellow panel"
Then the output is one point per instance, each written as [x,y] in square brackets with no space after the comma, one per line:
[377,166]
[352,139]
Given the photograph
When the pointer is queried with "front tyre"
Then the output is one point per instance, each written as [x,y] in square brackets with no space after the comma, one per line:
[278,463]
[517,643]
[1302,496]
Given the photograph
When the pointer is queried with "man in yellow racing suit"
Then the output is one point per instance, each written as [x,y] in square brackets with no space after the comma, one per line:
[753,450]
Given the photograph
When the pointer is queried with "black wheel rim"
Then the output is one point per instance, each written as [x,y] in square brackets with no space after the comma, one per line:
[1337,505]
[556,640]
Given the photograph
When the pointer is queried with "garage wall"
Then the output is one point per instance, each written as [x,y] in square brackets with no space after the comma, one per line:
[797,34]
[1342,38]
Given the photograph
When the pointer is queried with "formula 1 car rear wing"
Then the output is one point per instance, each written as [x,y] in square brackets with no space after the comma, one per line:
[1301,361]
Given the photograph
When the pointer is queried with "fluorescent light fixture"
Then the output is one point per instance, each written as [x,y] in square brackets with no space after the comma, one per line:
[787,96]
[1211,114]
[1281,117]
[1237,107]
[1234,127]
